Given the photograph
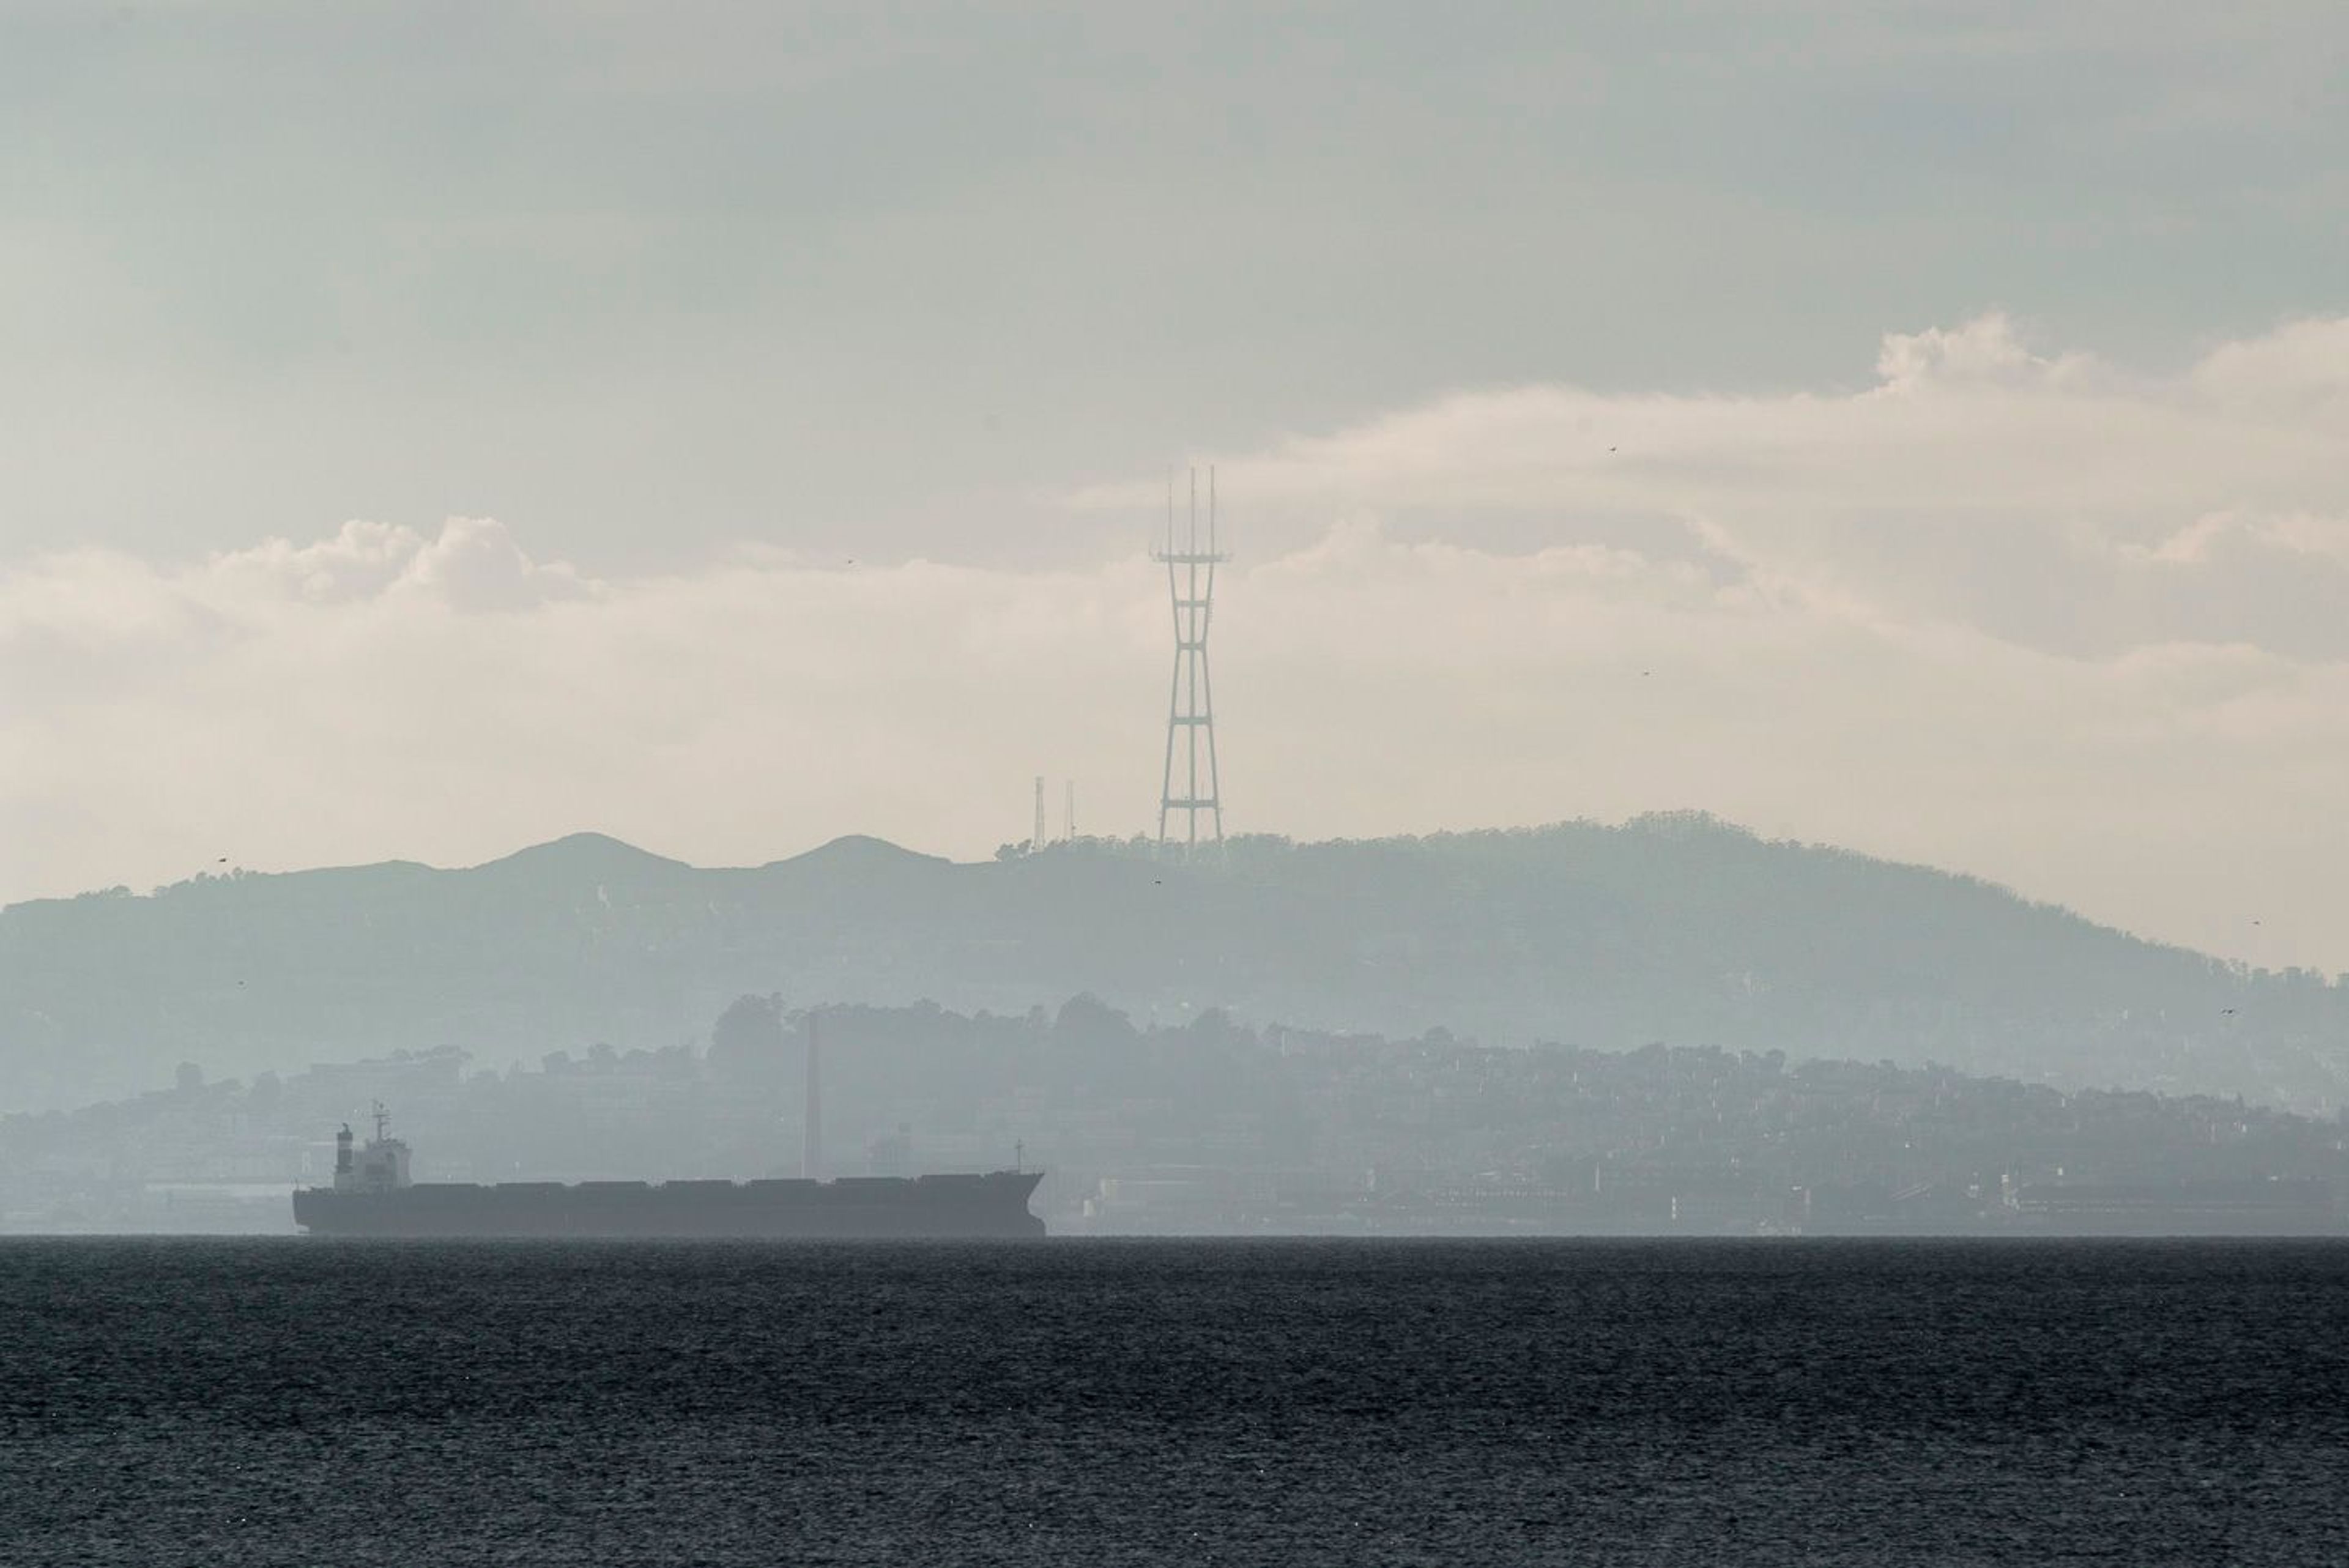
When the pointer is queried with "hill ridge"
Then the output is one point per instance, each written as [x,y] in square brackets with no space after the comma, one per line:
[1677,928]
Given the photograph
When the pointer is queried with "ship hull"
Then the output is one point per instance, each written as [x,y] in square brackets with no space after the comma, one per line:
[878,1207]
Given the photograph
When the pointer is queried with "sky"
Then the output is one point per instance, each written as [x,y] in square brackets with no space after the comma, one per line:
[425,431]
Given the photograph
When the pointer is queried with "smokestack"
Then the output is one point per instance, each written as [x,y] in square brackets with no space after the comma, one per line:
[812,1136]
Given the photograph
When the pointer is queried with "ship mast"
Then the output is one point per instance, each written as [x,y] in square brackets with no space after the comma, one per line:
[380,1118]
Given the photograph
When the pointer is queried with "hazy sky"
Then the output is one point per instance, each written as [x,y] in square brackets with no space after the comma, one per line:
[426,430]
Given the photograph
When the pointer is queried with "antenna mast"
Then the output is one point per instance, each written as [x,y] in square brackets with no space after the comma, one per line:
[1192,784]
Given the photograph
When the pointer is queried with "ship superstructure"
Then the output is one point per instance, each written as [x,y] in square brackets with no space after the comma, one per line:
[381,1167]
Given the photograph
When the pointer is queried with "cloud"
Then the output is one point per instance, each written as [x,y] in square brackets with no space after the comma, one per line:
[471,565]
[2051,500]
[2008,611]
[1982,351]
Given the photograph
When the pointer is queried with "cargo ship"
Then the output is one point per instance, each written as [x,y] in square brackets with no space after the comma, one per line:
[373,1196]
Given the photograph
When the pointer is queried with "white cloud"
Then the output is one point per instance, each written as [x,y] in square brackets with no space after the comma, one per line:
[471,564]
[1985,350]
[2051,500]
[2016,613]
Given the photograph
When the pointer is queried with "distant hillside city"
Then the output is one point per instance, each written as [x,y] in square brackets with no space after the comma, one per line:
[1674,929]
[1669,1024]
[1210,1127]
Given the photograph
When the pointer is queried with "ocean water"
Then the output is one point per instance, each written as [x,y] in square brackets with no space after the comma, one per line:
[320,1402]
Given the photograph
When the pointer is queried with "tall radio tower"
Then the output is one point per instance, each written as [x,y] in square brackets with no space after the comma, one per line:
[1191,704]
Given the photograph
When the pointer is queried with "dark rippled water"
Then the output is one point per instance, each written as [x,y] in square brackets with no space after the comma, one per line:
[1095,1403]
